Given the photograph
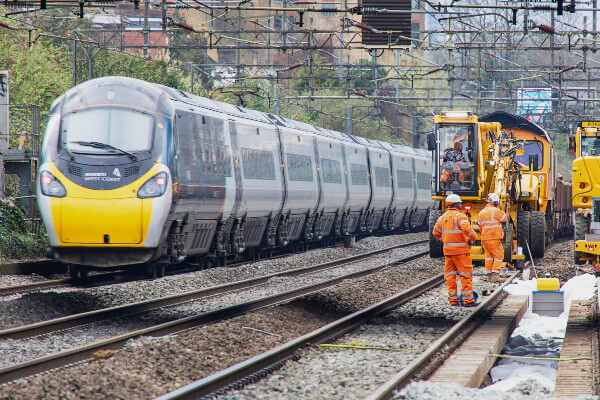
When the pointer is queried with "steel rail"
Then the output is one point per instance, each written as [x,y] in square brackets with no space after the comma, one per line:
[70,321]
[403,377]
[80,353]
[221,379]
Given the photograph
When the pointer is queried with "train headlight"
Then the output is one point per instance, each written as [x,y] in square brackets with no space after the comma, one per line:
[51,186]
[154,187]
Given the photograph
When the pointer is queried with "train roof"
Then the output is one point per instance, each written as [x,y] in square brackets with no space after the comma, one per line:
[508,120]
[155,90]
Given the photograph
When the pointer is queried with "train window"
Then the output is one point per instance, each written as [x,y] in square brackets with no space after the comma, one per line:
[532,147]
[423,180]
[201,147]
[299,167]
[382,177]
[258,164]
[331,171]
[359,174]
[404,179]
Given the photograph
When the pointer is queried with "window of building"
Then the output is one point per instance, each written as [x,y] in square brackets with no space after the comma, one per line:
[299,168]
[258,164]
[331,171]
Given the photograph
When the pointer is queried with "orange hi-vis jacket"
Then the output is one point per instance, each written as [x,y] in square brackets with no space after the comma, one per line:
[455,230]
[490,222]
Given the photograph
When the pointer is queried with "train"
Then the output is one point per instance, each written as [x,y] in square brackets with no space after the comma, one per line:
[137,174]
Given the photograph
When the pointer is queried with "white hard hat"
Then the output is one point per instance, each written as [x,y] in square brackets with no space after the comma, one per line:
[453,198]
[493,197]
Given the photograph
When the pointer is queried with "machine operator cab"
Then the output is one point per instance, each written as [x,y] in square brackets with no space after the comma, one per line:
[453,143]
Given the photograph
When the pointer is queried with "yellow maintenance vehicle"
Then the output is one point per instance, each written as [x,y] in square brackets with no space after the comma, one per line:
[474,157]
[586,192]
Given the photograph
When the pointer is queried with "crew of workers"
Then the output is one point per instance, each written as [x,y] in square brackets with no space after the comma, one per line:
[457,235]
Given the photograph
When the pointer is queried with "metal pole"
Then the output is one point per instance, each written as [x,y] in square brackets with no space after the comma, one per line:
[75,61]
[277,107]
[192,78]
[349,121]
[146,27]
[397,75]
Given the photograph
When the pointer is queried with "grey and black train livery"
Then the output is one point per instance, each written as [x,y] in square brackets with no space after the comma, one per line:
[138,173]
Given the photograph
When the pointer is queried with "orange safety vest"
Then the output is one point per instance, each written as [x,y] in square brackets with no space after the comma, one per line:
[455,230]
[490,221]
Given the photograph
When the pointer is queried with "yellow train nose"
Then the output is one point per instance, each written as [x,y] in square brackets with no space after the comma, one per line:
[110,221]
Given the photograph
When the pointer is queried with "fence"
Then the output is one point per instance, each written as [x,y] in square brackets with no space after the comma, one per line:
[20,160]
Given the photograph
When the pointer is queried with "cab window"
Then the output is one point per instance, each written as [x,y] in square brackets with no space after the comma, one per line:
[532,147]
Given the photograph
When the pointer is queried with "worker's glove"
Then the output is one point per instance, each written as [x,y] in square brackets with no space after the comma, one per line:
[471,242]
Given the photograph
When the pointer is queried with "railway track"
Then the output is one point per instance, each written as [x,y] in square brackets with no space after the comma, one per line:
[233,375]
[109,277]
[80,353]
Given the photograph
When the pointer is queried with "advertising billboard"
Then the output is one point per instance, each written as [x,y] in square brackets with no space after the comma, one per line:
[534,102]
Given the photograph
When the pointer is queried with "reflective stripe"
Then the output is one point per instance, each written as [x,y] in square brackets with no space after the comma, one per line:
[453,297]
[464,292]
[437,229]
[493,209]
[490,259]
[449,273]
[453,231]
[451,293]
[491,226]
[456,244]
[467,298]
[488,222]
[470,233]
[468,273]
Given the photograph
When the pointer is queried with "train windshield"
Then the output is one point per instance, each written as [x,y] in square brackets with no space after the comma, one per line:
[108,129]
[457,155]
[590,146]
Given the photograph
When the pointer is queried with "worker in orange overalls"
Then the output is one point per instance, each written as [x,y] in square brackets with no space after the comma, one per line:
[457,234]
[490,222]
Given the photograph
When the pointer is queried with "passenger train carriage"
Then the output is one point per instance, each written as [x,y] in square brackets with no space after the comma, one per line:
[139,173]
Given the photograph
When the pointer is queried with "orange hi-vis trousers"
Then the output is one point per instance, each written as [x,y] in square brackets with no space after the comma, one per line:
[461,265]
[494,255]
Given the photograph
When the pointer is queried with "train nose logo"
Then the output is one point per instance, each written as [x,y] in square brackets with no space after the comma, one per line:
[116,172]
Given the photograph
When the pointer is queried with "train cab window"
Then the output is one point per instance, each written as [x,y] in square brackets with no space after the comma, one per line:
[404,178]
[532,147]
[590,146]
[258,164]
[124,129]
[299,168]
[331,171]
[457,157]
[382,177]
[359,174]
[423,181]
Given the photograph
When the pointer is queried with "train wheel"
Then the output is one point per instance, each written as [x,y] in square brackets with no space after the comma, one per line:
[74,272]
[152,271]
[581,228]
[523,229]
[436,248]
[537,237]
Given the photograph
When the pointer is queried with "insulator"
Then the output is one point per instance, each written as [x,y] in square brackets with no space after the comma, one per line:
[546,28]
